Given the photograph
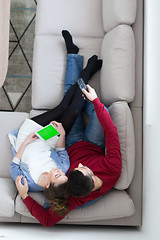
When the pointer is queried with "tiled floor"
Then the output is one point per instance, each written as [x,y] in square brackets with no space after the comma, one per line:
[15,95]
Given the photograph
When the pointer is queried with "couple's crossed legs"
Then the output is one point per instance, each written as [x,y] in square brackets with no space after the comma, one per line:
[72,103]
[93,132]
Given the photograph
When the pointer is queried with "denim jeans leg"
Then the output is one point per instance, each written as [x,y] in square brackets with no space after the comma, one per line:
[76,133]
[74,67]
[88,108]
[73,70]
[94,132]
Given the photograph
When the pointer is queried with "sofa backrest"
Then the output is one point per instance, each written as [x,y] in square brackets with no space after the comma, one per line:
[95,26]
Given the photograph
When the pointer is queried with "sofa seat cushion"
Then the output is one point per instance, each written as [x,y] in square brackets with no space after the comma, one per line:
[49,63]
[122,118]
[8,193]
[114,204]
[21,208]
[8,122]
[117,80]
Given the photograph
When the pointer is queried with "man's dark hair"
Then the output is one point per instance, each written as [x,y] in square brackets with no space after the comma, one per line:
[80,185]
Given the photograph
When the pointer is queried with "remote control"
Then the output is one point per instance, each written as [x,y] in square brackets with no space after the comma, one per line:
[82,85]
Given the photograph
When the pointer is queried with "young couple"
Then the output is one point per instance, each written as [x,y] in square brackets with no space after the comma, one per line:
[92,172]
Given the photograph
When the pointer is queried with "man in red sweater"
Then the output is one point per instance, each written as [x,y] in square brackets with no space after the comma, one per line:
[89,159]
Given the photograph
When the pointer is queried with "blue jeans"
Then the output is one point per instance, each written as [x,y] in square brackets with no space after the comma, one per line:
[93,132]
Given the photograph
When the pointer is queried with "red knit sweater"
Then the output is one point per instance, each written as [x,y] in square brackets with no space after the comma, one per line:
[106,167]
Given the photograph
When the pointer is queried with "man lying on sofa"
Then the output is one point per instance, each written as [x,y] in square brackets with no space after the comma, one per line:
[89,165]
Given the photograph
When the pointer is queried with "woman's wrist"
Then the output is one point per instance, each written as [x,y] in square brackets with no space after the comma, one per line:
[21,150]
[63,134]
[25,143]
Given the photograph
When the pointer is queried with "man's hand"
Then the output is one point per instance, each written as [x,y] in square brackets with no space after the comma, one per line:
[22,189]
[59,127]
[91,94]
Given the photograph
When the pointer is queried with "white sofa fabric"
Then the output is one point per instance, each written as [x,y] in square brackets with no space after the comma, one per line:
[115,204]
[122,118]
[118,72]
[104,28]
[118,12]
[8,191]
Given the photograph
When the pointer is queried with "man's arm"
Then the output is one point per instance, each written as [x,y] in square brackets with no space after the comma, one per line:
[45,217]
[113,153]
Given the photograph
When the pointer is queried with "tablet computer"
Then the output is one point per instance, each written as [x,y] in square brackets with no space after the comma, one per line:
[47,132]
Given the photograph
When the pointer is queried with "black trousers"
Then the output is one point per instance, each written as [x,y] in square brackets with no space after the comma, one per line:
[66,112]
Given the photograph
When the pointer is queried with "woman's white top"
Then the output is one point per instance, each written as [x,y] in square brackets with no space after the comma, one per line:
[36,154]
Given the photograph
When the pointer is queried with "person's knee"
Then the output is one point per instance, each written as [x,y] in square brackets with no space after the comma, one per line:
[74,111]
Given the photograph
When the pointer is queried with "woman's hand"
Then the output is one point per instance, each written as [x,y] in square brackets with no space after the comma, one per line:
[31,137]
[22,189]
[91,94]
[59,127]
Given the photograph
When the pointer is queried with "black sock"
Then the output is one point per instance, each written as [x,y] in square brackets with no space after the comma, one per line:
[71,47]
[97,67]
[86,72]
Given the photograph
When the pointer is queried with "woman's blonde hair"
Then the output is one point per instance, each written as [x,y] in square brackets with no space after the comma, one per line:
[58,195]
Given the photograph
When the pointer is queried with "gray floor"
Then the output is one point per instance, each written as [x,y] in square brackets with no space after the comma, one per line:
[15,95]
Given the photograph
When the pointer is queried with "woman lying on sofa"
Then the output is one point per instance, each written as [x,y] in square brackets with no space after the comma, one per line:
[42,162]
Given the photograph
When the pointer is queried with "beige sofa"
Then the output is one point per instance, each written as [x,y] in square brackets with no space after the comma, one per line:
[114,31]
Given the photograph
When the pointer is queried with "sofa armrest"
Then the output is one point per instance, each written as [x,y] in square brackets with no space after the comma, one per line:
[8,192]
[122,118]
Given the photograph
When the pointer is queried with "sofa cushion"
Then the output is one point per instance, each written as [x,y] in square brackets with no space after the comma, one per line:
[21,208]
[81,17]
[114,204]
[49,63]
[8,193]
[122,118]
[118,71]
[8,122]
[118,12]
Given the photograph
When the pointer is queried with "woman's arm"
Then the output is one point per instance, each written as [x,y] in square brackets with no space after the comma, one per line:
[61,141]
[15,168]
[28,140]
